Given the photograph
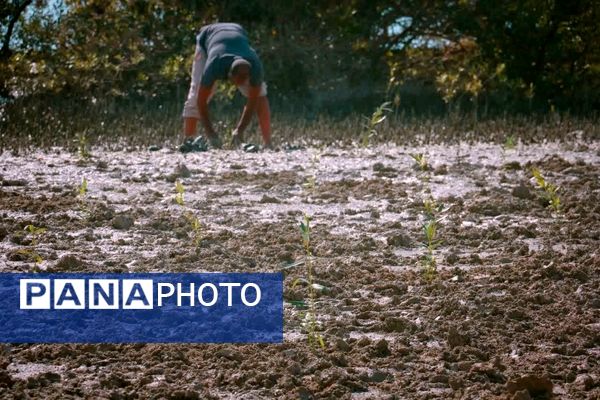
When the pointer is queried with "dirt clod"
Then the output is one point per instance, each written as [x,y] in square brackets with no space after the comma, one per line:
[182,171]
[122,222]
[456,339]
[68,263]
[536,386]
[584,382]
[397,324]
[522,192]
[381,348]
[399,240]
[3,232]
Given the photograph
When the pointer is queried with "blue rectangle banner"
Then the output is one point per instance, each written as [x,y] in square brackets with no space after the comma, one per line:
[141,308]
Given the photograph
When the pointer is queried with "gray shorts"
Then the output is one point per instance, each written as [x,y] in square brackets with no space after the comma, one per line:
[190,109]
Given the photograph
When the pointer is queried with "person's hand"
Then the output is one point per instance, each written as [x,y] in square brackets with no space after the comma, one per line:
[236,138]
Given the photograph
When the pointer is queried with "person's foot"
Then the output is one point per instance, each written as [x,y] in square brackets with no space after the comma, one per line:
[250,148]
[186,146]
[194,145]
[292,147]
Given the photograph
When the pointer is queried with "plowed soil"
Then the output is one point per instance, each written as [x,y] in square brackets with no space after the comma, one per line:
[513,311]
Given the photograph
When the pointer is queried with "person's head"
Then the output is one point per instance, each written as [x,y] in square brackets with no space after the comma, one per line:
[239,72]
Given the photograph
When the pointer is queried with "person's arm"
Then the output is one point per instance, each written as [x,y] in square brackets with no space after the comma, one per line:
[203,96]
[249,109]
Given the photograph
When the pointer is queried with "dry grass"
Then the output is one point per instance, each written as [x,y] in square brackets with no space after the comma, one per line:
[46,123]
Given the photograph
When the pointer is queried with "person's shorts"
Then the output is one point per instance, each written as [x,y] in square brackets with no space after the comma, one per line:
[190,109]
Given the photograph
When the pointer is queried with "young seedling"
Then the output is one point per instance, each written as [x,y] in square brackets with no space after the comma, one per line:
[509,143]
[431,208]
[196,228]
[429,262]
[82,146]
[370,124]
[194,222]
[550,190]
[35,232]
[81,194]
[311,181]
[420,161]
[179,189]
[310,320]
[431,211]
[431,243]
[83,188]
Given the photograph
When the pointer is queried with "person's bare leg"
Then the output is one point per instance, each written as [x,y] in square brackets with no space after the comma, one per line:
[264,119]
[189,127]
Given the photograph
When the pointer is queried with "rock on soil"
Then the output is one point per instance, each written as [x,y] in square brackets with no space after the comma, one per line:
[122,222]
[522,192]
[68,263]
[535,386]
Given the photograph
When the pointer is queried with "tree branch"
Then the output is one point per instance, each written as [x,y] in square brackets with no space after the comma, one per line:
[5,52]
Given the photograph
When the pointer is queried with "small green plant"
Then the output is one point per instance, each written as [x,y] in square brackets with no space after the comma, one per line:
[82,191]
[431,208]
[196,228]
[550,190]
[370,123]
[420,161]
[431,212]
[179,189]
[510,143]
[430,229]
[83,188]
[82,146]
[35,232]
[310,321]
[311,181]
[194,222]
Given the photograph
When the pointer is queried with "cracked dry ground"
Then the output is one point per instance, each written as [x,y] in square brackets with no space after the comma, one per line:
[512,313]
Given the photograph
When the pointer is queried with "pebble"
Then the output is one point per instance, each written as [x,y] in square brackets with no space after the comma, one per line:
[522,192]
[535,385]
[584,382]
[122,222]
[182,171]
[455,339]
[68,263]
[342,345]
[381,348]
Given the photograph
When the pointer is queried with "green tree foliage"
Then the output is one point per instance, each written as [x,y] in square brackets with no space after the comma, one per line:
[532,49]
[514,52]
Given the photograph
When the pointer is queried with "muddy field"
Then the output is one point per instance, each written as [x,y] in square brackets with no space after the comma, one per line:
[513,312]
